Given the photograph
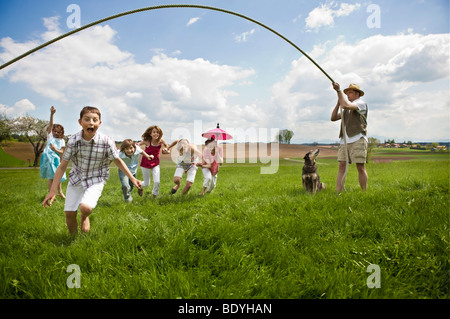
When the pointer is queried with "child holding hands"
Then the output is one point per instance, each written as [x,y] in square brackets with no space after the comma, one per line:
[91,153]
[212,158]
[152,140]
[129,153]
[186,154]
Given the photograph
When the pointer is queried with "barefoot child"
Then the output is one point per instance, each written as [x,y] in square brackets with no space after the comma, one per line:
[186,153]
[129,153]
[91,153]
[152,139]
[212,158]
[50,157]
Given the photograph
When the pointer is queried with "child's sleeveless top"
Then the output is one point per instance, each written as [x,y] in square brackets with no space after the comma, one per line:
[151,150]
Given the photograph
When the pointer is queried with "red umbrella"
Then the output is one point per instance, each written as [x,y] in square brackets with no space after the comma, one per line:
[218,133]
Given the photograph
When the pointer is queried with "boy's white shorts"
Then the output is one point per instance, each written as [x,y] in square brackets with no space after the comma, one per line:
[190,173]
[76,194]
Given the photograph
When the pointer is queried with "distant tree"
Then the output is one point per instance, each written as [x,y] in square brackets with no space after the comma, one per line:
[5,128]
[372,143]
[35,132]
[285,136]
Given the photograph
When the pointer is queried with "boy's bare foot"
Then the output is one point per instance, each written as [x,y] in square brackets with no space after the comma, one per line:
[85,225]
[62,195]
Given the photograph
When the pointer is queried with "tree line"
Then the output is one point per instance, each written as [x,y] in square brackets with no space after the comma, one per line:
[28,129]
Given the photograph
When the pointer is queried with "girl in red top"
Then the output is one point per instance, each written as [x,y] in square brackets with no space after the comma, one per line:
[152,139]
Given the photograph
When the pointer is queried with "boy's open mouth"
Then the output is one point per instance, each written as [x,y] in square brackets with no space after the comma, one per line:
[90,129]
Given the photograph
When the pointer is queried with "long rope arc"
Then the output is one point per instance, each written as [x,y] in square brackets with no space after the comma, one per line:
[156,8]
[177,6]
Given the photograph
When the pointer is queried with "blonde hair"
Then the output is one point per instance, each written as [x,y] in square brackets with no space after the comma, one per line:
[147,136]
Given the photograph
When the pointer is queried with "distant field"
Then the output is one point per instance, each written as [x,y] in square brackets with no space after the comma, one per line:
[407,154]
[7,160]
[255,236]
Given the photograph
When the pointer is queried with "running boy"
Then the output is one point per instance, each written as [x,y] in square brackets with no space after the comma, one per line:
[129,153]
[91,153]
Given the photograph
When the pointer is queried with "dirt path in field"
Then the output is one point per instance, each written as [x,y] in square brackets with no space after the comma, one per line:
[22,151]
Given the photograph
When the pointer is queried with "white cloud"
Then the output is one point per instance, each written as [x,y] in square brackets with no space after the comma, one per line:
[325,14]
[89,69]
[427,61]
[192,21]
[405,78]
[133,95]
[19,108]
[243,37]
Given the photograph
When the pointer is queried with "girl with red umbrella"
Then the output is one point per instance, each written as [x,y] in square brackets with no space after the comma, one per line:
[212,158]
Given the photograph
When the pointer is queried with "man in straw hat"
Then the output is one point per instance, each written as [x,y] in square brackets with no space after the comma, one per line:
[355,121]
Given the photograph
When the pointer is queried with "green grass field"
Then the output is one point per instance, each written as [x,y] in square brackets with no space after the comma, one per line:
[7,160]
[255,236]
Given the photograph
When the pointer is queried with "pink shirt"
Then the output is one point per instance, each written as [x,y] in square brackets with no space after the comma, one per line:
[151,150]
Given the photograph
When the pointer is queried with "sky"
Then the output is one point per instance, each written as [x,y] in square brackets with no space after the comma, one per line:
[187,69]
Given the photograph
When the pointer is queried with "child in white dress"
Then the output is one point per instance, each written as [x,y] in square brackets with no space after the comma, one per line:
[51,156]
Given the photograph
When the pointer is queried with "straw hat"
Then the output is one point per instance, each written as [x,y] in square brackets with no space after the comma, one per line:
[354,87]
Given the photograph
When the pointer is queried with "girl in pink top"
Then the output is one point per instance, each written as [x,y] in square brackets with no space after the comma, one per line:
[152,139]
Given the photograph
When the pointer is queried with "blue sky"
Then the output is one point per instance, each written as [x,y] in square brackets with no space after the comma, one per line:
[186,69]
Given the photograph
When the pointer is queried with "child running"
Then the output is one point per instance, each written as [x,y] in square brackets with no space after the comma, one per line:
[50,157]
[152,139]
[129,153]
[187,154]
[91,154]
[212,158]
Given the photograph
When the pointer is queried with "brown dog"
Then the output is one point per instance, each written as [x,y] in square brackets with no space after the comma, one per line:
[310,178]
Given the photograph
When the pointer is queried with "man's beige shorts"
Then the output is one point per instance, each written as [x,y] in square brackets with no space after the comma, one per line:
[357,152]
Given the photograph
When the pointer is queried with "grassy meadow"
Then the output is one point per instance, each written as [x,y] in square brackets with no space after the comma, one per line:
[255,236]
